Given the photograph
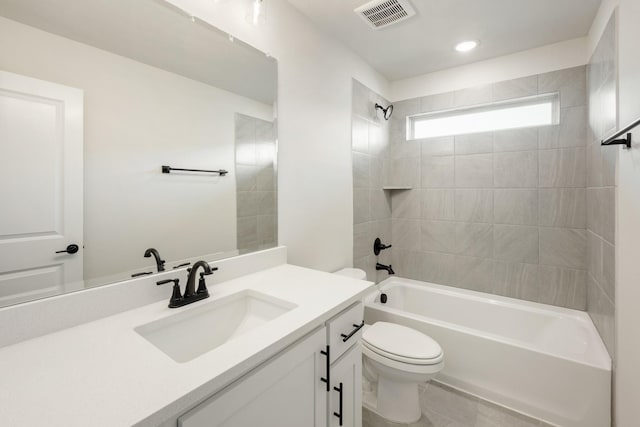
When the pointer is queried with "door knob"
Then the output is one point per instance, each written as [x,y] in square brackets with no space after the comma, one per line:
[71,249]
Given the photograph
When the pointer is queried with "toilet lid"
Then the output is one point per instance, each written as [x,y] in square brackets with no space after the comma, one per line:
[401,343]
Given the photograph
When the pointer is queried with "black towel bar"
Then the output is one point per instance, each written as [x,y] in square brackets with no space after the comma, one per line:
[614,140]
[168,169]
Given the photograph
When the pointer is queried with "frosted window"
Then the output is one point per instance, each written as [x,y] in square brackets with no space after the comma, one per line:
[540,110]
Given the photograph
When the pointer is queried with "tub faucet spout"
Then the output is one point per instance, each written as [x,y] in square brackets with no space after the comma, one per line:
[387,268]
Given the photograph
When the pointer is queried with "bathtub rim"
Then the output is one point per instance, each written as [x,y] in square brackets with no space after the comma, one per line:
[602,361]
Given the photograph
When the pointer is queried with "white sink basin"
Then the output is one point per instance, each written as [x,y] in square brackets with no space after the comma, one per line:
[191,333]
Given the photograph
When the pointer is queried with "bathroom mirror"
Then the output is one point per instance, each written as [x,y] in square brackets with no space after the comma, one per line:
[102,103]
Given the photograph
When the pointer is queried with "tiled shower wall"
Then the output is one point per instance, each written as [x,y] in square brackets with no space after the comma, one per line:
[601,185]
[499,212]
[371,204]
[255,183]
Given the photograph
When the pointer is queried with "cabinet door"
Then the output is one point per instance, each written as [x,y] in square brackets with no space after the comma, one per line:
[346,390]
[286,392]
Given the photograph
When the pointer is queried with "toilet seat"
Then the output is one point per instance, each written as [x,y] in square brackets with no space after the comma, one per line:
[403,367]
[401,344]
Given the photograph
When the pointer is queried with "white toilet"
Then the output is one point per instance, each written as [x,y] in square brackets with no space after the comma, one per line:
[395,359]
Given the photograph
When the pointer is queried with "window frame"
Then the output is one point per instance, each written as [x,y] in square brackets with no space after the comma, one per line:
[554,97]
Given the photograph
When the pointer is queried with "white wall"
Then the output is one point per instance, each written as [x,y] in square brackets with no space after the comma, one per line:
[627,384]
[600,21]
[138,118]
[558,56]
[315,212]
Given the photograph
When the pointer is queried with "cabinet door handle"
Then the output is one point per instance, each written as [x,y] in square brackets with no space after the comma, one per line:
[339,414]
[327,380]
[352,333]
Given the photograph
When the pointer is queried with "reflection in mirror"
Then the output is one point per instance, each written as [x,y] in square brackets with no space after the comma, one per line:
[95,97]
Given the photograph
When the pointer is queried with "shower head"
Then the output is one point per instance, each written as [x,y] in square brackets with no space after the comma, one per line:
[386,111]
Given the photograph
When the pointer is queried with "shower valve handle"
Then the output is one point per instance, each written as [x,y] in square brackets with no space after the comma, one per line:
[379,246]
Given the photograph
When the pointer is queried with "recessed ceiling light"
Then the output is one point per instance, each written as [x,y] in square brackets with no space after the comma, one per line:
[466,46]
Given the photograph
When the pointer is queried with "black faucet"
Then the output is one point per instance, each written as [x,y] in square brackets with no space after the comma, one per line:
[190,290]
[156,255]
[190,293]
[387,268]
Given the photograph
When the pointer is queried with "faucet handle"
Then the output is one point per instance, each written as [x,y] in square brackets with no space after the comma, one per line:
[202,284]
[164,282]
[212,269]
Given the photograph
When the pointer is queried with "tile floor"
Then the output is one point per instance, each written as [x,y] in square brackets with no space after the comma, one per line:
[443,406]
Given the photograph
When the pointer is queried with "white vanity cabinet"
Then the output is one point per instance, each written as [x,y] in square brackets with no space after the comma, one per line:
[345,401]
[291,390]
[286,392]
[345,394]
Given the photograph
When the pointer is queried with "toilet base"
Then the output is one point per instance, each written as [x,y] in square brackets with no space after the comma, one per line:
[393,401]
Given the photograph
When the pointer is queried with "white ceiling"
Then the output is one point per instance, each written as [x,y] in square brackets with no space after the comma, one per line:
[152,32]
[425,42]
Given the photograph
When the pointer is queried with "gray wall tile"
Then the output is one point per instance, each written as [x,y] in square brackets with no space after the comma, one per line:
[441,101]
[473,171]
[562,168]
[267,227]
[608,270]
[407,263]
[438,204]
[398,150]
[406,234]
[437,146]
[515,206]
[361,174]
[516,88]
[472,96]
[438,236]
[511,279]
[601,212]
[436,267]
[563,207]
[247,203]
[359,135]
[560,286]
[248,232]
[563,247]
[438,171]
[405,172]
[602,312]
[266,202]
[571,132]
[515,140]
[515,243]
[480,214]
[474,143]
[246,177]
[474,273]
[362,242]
[406,204]
[516,169]
[361,205]
[571,83]
[474,205]
[474,239]
[380,204]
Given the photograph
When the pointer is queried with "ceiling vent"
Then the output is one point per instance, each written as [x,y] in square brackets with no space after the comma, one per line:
[382,13]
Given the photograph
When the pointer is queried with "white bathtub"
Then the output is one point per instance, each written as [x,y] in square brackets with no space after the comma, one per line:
[543,361]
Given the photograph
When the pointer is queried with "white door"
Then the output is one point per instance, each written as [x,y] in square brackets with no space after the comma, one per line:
[286,392]
[40,188]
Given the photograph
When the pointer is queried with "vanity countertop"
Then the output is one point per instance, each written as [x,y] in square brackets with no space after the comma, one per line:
[103,373]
